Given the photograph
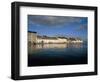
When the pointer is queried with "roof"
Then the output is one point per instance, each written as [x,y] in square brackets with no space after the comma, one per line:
[46,37]
[62,37]
[54,38]
[32,32]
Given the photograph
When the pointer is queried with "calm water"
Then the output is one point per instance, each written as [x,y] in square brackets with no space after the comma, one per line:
[57,54]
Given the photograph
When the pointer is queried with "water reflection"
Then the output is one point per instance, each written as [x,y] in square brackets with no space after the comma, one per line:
[57,54]
[33,48]
[41,46]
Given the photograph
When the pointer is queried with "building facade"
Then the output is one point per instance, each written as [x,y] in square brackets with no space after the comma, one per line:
[35,39]
[32,37]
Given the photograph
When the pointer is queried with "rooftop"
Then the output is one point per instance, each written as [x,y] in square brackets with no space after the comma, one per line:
[32,32]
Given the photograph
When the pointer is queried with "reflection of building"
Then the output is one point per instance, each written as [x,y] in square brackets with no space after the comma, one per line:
[34,38]
[55,46]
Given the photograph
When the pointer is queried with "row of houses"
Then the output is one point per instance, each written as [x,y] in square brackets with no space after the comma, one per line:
[36,39]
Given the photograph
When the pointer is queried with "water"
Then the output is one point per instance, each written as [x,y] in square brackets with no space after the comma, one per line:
[57,54]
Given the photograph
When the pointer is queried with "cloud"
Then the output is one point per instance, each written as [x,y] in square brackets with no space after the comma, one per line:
[53,20]
[82,27]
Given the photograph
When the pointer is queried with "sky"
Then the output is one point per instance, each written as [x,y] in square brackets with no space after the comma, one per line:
[58,26]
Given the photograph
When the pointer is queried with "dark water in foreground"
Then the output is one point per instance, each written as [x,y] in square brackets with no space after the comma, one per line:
[57,54]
